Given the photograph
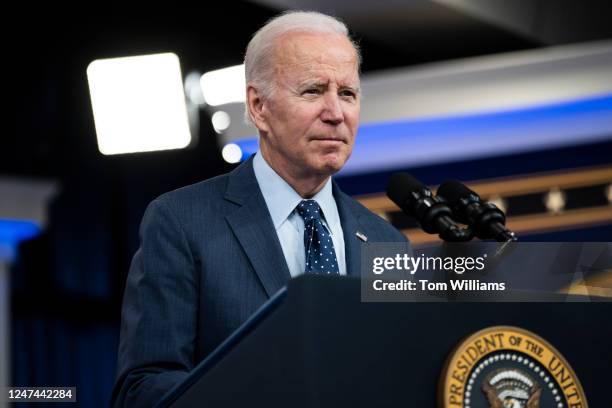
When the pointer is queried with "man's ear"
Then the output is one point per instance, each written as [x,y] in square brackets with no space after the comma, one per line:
[256,107]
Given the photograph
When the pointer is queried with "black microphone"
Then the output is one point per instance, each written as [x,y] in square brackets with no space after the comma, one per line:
[417,201]
[487,221]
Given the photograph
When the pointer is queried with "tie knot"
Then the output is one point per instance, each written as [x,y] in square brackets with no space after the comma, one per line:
[309,210]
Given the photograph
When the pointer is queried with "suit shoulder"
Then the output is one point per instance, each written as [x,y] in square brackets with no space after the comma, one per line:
[202,193]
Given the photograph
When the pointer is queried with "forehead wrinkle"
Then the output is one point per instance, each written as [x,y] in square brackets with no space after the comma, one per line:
[320,81]
[309,62]
[296,57]
[317,74]
[287,41]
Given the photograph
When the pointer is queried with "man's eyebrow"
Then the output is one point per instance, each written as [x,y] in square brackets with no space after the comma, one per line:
[312,82]
[354,88]
[322,84]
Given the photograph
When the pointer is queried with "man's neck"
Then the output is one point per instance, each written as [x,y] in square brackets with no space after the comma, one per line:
[305,185]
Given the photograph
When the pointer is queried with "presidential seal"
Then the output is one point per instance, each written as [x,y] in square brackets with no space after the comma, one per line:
[508,367]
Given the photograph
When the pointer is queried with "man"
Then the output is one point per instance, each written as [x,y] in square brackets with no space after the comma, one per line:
[213,252]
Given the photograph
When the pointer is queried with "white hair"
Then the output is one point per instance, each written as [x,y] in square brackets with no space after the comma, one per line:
[258,60]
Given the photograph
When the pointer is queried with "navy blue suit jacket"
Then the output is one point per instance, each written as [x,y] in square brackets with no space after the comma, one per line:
[209,258]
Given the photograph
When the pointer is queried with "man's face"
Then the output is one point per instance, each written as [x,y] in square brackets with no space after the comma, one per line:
[311,119]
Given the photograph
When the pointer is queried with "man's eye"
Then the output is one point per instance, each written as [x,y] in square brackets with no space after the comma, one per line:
[347,94]
[311,91]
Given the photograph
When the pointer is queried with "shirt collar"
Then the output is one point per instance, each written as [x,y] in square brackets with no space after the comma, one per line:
[282,199]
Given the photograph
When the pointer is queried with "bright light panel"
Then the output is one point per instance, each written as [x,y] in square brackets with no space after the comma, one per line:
[223,86]
[138,104]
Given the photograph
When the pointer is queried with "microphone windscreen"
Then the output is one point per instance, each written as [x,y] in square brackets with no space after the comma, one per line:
[400,187]
[453,191]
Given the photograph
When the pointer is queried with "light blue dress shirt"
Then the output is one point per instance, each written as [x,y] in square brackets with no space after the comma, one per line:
[281,200]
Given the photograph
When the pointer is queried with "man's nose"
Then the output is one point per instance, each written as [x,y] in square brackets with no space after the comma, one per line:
[332,111]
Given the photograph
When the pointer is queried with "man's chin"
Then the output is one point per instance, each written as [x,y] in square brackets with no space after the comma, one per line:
[331,166]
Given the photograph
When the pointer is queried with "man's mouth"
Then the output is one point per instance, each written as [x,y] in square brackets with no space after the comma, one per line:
[329,139]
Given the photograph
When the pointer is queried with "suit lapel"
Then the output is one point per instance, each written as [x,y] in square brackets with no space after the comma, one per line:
[253,227]
[350,219]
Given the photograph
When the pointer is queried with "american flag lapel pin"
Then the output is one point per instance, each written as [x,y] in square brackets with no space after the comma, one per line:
[361,236]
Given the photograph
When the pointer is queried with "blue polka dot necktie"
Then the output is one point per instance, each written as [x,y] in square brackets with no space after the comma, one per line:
[318,245]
